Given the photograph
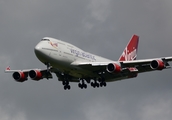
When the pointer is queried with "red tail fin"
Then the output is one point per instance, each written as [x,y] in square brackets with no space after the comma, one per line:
[130,52]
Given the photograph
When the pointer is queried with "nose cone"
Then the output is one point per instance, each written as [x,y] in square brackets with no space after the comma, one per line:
[38,50]
[42,51]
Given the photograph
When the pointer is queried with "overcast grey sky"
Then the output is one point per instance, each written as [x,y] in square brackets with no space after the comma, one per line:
[101,27]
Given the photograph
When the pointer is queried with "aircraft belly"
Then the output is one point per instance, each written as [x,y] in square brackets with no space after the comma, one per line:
[82,74]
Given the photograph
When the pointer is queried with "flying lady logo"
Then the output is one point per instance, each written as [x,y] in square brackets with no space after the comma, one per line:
[129,55]
[55,45]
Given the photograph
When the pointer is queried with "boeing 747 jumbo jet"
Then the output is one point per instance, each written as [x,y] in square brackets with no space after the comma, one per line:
[71,64]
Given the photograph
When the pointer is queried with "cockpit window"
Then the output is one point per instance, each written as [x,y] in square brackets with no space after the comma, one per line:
[45,39]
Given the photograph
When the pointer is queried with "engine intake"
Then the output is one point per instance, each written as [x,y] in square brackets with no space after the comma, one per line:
[113,68]
[157,64]
[20,76]
[35,75]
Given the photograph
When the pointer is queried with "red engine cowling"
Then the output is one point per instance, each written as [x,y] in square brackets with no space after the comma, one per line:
[157,64]
[19,76]
[113,68]
[35,75]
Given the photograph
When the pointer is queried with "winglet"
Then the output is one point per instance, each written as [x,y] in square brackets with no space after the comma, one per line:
[8,68]
[130,52]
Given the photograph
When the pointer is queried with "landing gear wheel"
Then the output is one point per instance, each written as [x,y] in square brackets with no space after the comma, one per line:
[97,84]
[101,84]
[104,84]
[92,84]
[79,85]
[85,86]
[67,87]
[82,87]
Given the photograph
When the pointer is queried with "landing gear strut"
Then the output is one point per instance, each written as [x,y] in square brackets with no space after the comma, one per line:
[48,66]
[48,72]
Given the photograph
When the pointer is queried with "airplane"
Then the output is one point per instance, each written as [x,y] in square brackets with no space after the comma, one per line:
[72,64]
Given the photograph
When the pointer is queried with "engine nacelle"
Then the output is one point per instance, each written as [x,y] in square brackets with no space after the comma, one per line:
[157,64]
[19,76]
[113,68]
[35,75]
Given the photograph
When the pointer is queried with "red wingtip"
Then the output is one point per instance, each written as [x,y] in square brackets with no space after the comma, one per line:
[8,68]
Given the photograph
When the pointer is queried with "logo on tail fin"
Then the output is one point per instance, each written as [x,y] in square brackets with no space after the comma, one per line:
[129,55]
[130,52]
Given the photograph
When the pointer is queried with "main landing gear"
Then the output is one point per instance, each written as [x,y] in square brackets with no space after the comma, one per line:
[82,84]
[65,82]
[96,83]
[65,78]
[66,85]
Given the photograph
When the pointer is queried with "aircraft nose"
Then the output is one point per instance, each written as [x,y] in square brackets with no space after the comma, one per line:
[38,50]
[41,53]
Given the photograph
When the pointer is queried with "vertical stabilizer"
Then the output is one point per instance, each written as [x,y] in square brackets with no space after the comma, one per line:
[130,52]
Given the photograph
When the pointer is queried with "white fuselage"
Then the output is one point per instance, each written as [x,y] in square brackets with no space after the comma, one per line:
[61,55]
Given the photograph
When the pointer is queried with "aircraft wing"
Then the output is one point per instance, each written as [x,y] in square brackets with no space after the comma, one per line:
[143,65]
[8,70]
[34,74]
